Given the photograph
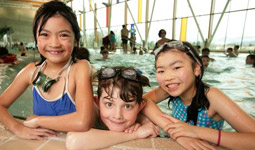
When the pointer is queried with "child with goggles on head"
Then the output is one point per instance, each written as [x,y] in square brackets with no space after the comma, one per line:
[62,90]
[120,91]
[198,110]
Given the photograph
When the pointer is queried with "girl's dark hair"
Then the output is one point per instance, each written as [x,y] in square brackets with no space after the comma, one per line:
[83,53]
[49,9]
[199,101]
[160,31]
[128,88]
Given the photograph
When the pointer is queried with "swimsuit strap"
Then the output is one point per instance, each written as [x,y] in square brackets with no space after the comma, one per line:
[36,70]
[65,66]
[67,77]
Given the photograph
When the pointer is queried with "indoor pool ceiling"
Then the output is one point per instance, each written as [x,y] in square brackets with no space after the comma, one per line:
[25,3]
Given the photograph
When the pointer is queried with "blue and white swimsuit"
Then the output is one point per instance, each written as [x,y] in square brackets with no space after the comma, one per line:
[62,105]
[203,120]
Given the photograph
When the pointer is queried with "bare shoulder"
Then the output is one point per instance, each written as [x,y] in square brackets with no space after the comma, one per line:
[28,69]
[81,67]
[216,97]
[212,91]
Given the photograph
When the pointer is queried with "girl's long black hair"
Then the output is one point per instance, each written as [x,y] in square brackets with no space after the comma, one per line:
[49,9]
[199,101]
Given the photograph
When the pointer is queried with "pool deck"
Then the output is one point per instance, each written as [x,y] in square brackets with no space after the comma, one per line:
[8,141]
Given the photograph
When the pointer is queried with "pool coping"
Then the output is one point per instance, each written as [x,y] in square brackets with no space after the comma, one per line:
[9,141]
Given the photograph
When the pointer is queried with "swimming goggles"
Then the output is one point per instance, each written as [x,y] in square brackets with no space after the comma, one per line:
[176,45]
[128,73]
[46,82]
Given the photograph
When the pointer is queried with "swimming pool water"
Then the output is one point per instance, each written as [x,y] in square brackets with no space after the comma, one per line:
[231,75]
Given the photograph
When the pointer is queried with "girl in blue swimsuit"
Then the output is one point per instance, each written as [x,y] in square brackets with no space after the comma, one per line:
[198,111]
[62,90]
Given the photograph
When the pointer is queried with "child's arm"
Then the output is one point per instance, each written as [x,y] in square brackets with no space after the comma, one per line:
[82,119]
[98,139]
[228,110]
[10,95]
[152,111]
[236,117]
[230,140]
[244,124]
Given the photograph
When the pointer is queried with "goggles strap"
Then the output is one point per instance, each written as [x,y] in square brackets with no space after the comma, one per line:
[47,82]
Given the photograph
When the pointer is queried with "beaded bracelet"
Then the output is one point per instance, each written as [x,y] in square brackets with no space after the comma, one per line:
[219,136]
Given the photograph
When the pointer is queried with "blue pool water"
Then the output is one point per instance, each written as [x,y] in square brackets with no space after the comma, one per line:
[231,75]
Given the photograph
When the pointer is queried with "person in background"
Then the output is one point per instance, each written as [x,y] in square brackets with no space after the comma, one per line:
[83,53]
[140,52]
[132,41]
[120,91]
[198,47]
[106,42]
[198,110]
[205,60]
[236,48]
[206,51]
[62,90]
[162,35]
[124,37]
[230,52]
[112,41]
[6,57]
[134,50]
[22,49]
[102,48]
[105,54]
[250,59]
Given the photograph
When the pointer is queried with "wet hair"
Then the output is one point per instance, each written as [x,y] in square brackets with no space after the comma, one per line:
[104,52]
[199,101]
[49,9]
[83,53]
[160,31]
[205,56]
[205,50]
[251,56]
[230,48]
[128,88]
[236,46]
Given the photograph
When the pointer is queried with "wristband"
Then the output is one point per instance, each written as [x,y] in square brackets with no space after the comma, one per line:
[219,136]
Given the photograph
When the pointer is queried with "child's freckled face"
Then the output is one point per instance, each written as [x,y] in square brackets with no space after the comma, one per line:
[117,114]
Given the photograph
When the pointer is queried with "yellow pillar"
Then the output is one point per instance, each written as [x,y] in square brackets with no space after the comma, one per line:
[183,29]
[95,22]
[139,11]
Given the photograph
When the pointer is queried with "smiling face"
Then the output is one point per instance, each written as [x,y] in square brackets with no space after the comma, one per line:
[117,114]
[56,40]
[176,74]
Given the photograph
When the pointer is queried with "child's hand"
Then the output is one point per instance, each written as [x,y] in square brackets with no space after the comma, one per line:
[147,130]
[194,144]
[179,128]
[31,122]
[31,117]
[133,128]
[34,134]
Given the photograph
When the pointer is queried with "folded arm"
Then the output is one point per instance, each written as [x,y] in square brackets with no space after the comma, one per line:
[98,139]
[153,112]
